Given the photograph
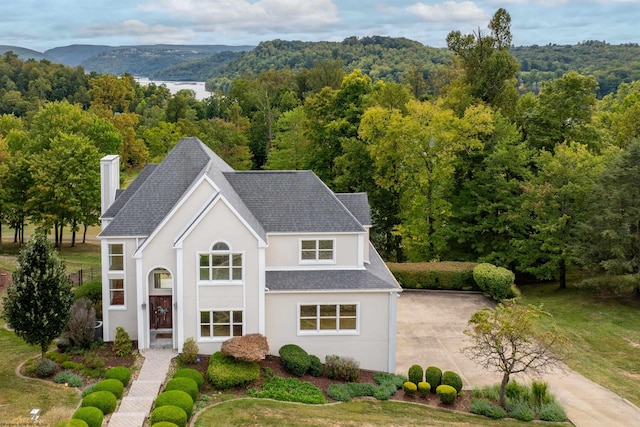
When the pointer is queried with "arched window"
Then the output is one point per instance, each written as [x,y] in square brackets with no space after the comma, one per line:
[220,264]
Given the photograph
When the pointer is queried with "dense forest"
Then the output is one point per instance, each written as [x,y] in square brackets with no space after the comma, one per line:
[459,162]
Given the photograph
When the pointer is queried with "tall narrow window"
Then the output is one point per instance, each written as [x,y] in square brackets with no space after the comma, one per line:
[220,265]
[116,291]
[116,257]
[317,250]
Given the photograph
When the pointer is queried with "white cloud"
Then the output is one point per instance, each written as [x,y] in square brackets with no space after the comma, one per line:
[142,32]
[449,11]
[241,15]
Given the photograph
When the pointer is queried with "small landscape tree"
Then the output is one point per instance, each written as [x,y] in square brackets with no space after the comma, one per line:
[506,339]
[38,303]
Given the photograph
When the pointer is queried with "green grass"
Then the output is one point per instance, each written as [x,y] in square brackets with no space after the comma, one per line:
[603,333]
[254,412]
[18,396]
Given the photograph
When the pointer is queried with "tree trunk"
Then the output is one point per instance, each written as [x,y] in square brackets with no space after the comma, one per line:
[636,291]
[73,233]
[15,234]
[60,243]
[562,267]
[84,234]
[503,389]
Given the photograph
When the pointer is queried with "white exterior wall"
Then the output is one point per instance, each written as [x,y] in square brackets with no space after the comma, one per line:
[283,252]
[220,224]
[370,346]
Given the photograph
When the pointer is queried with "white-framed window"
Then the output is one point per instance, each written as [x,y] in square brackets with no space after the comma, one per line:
[116,257]
[220,264]
[221,324]
[116,292]
[317,250]
[162,279]
[328,318]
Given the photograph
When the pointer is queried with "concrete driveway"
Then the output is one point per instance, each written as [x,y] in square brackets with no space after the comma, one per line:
[430,333]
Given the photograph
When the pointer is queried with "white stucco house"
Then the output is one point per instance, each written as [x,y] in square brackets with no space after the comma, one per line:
[192,248]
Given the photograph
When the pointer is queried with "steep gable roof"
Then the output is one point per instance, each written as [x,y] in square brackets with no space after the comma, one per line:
[292,201]
[358,205]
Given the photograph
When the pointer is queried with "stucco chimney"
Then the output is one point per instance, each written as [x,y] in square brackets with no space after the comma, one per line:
[109,180]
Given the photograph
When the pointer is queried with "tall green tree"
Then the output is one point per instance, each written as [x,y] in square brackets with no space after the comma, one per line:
[611,236]
[38,302]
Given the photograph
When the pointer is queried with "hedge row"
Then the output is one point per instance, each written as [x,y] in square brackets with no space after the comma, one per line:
[435,275]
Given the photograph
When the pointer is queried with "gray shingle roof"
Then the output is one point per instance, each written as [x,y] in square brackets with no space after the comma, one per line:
[123,196]
[292,201]
[376,276]
[358,205]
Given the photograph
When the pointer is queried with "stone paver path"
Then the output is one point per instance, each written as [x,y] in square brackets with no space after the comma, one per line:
[136,405]
[430,325]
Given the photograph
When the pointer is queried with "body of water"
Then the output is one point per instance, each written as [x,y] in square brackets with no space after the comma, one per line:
[174,87]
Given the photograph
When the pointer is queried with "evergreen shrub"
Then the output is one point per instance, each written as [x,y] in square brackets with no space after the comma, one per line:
[424,388]
[416,374]
[164,424]
[225,372]
[409,388]
[57,356]
[435,275]
[68,378]
[446,393]
[453,379]
[190,373]
[72,365]
[76,422]
[111,385]
[45,368]
[88,390]
[315,367]
[169,413]
[175,398]
[122,346]
[187,385]
[498,282]
[120,373]
[190,351]
[433,375]
[90,415]
[103,400]
[294,359]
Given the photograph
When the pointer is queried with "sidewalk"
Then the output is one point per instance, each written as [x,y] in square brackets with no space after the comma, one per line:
[136,405]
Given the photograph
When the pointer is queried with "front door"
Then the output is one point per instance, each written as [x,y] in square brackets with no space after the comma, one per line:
[161,312]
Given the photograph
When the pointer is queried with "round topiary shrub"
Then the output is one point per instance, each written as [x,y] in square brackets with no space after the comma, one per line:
[103,400]
[120,373]
[76,422]
[433,375]
[294,359]
[90,415]
[190,373]
[409,388]
[164,424]
[46,368]
[187,385]
[416,374]
[446,393]
[175,398]
[168,413]
[114,386]
[452,379]
[424,388]
[315,367]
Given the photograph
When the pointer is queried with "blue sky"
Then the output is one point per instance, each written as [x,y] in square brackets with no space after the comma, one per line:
[44,24]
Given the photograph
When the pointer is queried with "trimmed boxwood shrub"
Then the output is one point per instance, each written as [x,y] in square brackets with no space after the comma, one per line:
[416,374]
[190,373]
[90,415]
[433,375]
[315,367]
[226,371]
[68,378]
[103,400]
[495,281]
[176,398]
[120,373]
[187,385]
[424,388]
[76,422]
[165,424]
[170,413]
[294,359]
[446,393]
[409,388]
[452,379]
[435,275]
[112,385]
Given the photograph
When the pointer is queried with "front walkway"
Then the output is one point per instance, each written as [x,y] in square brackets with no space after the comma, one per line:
[136,405]
[430,325]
